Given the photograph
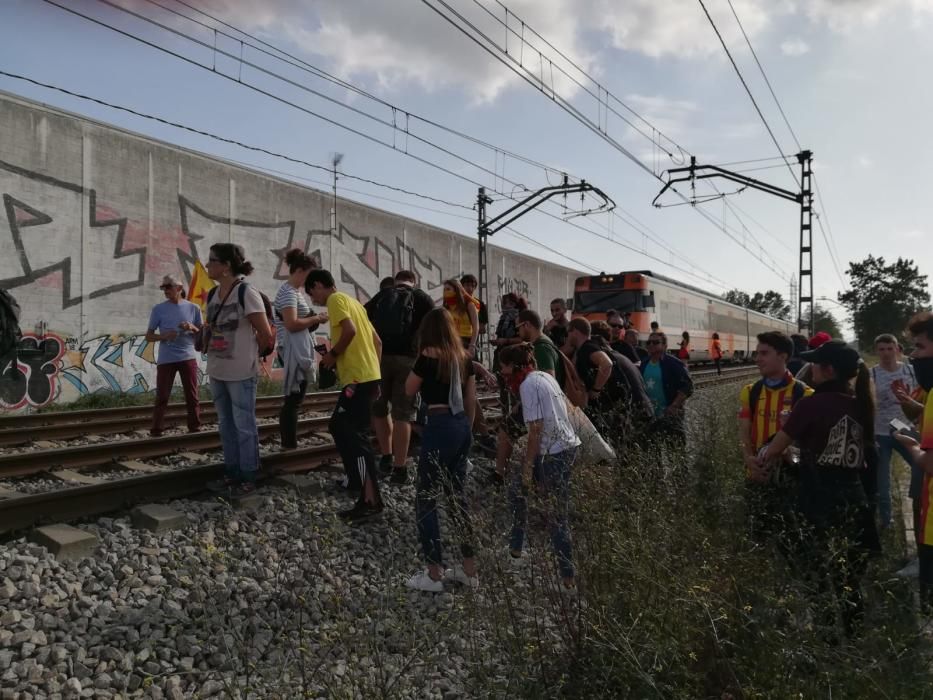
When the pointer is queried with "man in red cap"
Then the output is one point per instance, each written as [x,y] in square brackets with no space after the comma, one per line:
[818,339]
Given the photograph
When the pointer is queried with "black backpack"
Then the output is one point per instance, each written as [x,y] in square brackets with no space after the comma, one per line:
[10,333]
[392,315]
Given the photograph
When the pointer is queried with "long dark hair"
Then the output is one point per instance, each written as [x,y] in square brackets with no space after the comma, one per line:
[865,402]
[234,256]
[460,292]
[437,331]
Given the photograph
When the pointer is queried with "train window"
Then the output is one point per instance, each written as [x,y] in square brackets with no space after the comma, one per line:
[603,300]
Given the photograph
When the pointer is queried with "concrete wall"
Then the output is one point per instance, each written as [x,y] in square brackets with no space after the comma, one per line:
[93,216]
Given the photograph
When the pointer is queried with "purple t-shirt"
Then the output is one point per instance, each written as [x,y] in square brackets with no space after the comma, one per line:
[167,317]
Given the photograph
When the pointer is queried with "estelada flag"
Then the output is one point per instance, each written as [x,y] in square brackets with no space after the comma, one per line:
[201,284]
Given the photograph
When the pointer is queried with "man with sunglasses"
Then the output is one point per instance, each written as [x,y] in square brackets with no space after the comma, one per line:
[173,325]
[668,383]
[617,328]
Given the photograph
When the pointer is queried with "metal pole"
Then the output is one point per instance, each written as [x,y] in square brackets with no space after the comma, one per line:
[805,276]
[335,160]
[483,236]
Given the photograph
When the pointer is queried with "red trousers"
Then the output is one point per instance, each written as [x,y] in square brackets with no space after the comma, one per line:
[165,378]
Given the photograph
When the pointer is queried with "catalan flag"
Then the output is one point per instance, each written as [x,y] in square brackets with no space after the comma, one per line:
[201,284]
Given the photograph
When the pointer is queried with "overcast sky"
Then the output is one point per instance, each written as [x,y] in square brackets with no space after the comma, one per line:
[851,76]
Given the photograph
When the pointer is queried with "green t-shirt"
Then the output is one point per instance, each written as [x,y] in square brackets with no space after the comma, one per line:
[547,358]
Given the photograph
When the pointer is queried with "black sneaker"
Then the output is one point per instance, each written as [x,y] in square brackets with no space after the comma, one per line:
[360,513]
[385,465]
[399,475]
[221,485]
[342,486]
[243,489]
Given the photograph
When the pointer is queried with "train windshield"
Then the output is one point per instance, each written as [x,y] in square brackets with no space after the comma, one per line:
[606,299]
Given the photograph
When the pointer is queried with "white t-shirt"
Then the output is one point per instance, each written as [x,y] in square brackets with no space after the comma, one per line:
[543,400]
[887,407]
[233,353]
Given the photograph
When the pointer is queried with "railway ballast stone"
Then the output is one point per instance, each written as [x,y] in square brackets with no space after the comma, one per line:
[67,543]
[157,518]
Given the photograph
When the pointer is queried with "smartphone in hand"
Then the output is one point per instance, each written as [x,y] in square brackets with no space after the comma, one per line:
[902,428]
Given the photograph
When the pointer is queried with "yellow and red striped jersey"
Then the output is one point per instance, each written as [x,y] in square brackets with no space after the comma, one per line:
[773,409]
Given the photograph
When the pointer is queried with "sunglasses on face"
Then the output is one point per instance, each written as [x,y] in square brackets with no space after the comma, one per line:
[616,325]
[214,260]
[655,342]
[165,286]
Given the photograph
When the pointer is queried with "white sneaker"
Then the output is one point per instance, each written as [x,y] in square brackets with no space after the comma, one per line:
[468,466]
[422,581]
[458,575]
[912,570]
[514,562]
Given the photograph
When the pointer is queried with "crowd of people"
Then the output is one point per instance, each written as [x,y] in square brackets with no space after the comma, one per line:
[818,429]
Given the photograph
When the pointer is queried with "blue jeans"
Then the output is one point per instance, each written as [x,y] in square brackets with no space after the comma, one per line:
[445,443]
[236,415]
[552,474]
[886,447]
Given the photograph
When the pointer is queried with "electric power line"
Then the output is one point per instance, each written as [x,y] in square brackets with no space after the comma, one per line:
[304,109]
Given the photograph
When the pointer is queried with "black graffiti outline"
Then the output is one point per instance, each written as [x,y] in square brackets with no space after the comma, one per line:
[11,203]
[41,357]
[428,264]
[187,259]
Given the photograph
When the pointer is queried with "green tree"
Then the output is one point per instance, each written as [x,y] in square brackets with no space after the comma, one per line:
[737,297]
[883,297]
[824,321]
[770,302]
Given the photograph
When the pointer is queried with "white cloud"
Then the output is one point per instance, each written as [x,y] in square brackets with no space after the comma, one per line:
[391,45]
[795,47]
[914,235]
[864,161]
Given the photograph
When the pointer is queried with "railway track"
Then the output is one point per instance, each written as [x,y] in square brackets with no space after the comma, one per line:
[21,511]
[62,425]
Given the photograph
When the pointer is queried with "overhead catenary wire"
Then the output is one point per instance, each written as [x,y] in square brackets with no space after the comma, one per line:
[227,140]
[829,240]
[302,108]
[484,41]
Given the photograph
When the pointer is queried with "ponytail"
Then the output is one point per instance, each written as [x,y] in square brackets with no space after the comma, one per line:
[865,402]
[297,259]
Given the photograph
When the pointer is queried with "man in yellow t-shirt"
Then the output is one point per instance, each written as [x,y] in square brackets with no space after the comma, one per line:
[356,352]
[921,329]
[769,490]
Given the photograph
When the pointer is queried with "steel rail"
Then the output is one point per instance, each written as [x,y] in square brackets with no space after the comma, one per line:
[23,420]
[38,461]
[71,504]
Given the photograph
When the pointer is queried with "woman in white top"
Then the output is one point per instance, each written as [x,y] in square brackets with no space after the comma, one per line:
[552,448]
[294,324]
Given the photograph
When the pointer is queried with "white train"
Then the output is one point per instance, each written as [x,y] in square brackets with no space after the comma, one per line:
[676,307]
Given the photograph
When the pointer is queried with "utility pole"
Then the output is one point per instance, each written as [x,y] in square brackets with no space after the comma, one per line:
[804,198]
[805,158]
[793,297]
[482,199]
[335,161]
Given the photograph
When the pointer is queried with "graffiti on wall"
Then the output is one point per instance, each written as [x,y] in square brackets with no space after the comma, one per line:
[515,285]
[45,243]
[363,261]
[29,373]
[118,364]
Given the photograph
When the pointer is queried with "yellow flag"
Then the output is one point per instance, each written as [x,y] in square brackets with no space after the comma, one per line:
[201,284]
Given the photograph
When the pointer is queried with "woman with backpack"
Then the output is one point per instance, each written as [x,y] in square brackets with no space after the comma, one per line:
[236,328]
[834,429]
[465,314]
[294,324]
[443,374]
